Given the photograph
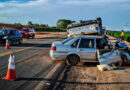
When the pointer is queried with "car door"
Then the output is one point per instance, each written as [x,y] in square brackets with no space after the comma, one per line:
[15,38]
[86,49]
[30,32]
[12,36]
[74,46]
[17,34]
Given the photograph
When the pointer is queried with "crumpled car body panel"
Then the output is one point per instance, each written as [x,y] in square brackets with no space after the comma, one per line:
[125,54]
[109,57]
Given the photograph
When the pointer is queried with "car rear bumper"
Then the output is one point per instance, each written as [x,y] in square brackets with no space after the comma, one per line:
[25,35]
[57,56]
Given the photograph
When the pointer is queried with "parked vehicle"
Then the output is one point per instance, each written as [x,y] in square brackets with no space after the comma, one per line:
[12,35]
[89,27]
[28,32]
[83,49]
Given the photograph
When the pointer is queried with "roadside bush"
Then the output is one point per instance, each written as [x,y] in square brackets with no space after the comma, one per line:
[118,33]
[47,29]
[128,38]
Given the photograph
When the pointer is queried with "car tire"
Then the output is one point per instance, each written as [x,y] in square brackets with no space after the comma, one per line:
[33,36]
[72,60]
[20,41]
[125,60]
[10,42]
[28,37]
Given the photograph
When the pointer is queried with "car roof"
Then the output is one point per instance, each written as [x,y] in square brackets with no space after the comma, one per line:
[94,37]
[26,28]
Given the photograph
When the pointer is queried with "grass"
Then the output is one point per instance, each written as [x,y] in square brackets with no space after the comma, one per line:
[117,35]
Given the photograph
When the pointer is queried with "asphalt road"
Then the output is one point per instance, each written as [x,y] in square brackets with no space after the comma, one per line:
[33,64]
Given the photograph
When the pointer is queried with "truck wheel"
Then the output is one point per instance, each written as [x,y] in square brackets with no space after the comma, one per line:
[72,60]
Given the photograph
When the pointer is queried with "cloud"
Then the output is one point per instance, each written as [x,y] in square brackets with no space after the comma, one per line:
[22,4]
[56,3]
[90,2]
[3,18]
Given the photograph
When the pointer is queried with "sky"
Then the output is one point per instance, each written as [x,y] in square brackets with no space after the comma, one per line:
[115,14]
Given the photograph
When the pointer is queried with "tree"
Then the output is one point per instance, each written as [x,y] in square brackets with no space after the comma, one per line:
[30,23]
[36,24]
[17,23]
[62,23]
[44,25]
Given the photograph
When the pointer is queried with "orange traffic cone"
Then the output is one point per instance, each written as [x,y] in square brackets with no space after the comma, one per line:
[11,73]
[7,44]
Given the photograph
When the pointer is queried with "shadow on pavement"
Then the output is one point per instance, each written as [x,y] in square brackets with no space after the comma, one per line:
[33,45]
[70,82]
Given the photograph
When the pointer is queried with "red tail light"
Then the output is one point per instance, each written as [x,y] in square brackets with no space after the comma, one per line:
[67,32]
[96,28]
[53,48]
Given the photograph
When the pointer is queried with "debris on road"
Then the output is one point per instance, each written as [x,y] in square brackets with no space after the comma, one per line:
[104,67]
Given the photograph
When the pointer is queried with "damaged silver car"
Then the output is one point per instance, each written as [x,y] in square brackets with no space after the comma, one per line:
[84,49]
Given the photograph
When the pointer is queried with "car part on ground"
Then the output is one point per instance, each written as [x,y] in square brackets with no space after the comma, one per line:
[104,67]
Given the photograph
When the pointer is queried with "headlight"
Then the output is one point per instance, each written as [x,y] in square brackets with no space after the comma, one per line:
[5,37]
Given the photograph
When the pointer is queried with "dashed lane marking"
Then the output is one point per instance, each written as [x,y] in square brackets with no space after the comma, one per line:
[9,52]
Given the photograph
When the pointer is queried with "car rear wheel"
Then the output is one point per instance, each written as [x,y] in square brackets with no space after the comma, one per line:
[28,37]
[72,60]
[33,36]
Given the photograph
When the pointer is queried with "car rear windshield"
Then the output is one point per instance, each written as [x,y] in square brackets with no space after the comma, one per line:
[25,30]
[66,40]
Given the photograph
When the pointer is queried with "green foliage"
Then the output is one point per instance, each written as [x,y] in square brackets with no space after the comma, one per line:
[30,23]
[62,23]
[48,29]
[117,35]
[37,27]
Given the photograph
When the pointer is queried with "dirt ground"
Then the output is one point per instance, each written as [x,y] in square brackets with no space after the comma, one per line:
[90,78]
[42,34]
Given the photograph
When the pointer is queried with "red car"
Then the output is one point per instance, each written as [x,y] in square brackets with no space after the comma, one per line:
[27,32]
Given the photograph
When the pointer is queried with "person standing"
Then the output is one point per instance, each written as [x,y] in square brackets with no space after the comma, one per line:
[122,35]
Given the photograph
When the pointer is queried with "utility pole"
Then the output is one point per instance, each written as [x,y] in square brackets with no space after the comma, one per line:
[126,27]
